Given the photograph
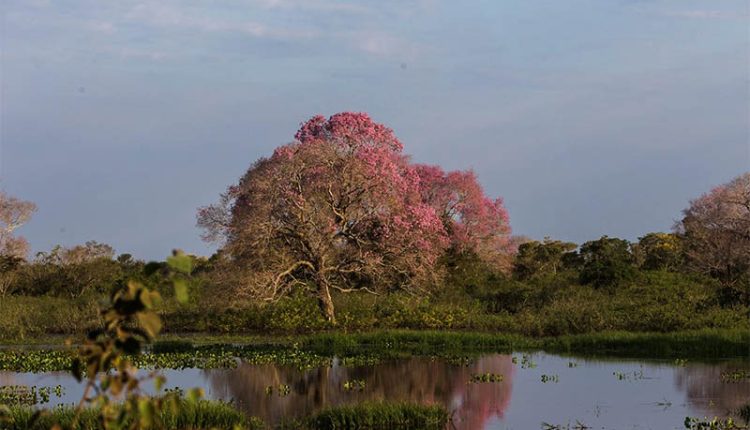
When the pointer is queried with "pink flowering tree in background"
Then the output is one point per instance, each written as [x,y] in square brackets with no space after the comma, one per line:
[340,208]
[475,223]
[715,229]
[14,213]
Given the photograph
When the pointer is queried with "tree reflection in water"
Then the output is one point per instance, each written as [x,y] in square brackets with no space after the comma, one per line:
[417,380]
[707,392]
[8,378]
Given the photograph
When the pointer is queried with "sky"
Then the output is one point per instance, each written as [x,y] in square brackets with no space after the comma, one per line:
[589,117]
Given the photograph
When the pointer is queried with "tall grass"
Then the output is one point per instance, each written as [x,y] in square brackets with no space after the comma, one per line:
[380,416]
[203,414]
[706,343]
[217,415]
[23,317]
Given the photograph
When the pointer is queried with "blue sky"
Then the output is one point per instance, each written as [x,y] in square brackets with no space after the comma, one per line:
[589,117]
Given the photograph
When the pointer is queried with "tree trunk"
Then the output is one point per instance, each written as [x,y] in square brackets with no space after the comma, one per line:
[325,302]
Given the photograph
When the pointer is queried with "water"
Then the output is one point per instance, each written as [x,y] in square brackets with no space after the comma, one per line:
[602,394]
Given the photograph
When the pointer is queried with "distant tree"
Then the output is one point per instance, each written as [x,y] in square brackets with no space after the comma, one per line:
[340,208]
[716,233]
[9,265]
[475,223]
[91,250]
[535,257]
[13,214]
[659,251]
[606,261]
[72,271]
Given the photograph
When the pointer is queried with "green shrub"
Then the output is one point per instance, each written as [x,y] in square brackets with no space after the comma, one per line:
[380,416]
[295,314]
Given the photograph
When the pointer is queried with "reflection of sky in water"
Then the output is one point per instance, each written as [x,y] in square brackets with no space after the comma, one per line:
[651,395]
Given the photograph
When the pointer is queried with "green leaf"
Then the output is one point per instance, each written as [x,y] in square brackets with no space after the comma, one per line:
[150,322]
[159,382]
[194,394]
[147,413]
[180,262]
[181,290]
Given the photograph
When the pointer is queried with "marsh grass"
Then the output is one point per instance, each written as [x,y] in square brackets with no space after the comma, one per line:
[355,349]
[706,343]
[202,414]
[379,416]
[206,414]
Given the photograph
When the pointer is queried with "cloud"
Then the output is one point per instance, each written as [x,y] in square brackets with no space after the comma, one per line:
[708,14]
[104,27]
[384,44]
[161,15]
[319,5]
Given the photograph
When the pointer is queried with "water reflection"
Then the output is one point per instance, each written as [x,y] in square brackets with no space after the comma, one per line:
[708,393]
[417,380]
[653,395]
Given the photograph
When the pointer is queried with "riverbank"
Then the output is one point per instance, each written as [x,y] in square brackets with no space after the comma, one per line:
[210,351]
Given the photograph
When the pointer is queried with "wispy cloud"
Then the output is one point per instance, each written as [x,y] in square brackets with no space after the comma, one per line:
[381,44]
[708,14]
[160,15]
[104,27]
[320,5]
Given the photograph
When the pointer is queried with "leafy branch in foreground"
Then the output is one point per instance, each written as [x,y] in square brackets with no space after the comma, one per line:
[113,384]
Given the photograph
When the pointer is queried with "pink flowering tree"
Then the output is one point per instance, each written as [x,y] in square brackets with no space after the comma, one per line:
[340,208]
[474,223]
[716,232]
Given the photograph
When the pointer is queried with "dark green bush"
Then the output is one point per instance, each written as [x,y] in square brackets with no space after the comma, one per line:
[606,262]
[166,346]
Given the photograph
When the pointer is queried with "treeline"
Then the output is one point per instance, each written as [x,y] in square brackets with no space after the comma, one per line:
[94,268]
[554,288]
[91,269]
[608,262]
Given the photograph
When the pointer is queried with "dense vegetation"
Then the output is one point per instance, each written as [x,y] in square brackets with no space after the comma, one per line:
[544,304]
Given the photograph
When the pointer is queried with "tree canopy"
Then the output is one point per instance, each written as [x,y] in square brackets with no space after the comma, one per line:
[342,208]
[14,213]
[716,232]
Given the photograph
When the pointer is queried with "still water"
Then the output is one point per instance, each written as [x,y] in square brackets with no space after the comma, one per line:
[600,393]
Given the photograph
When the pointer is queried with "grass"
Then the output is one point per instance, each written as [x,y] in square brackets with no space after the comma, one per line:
[706,343]
[207,414]
[379,416]
[203,414]
[318,350]
[22,318]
